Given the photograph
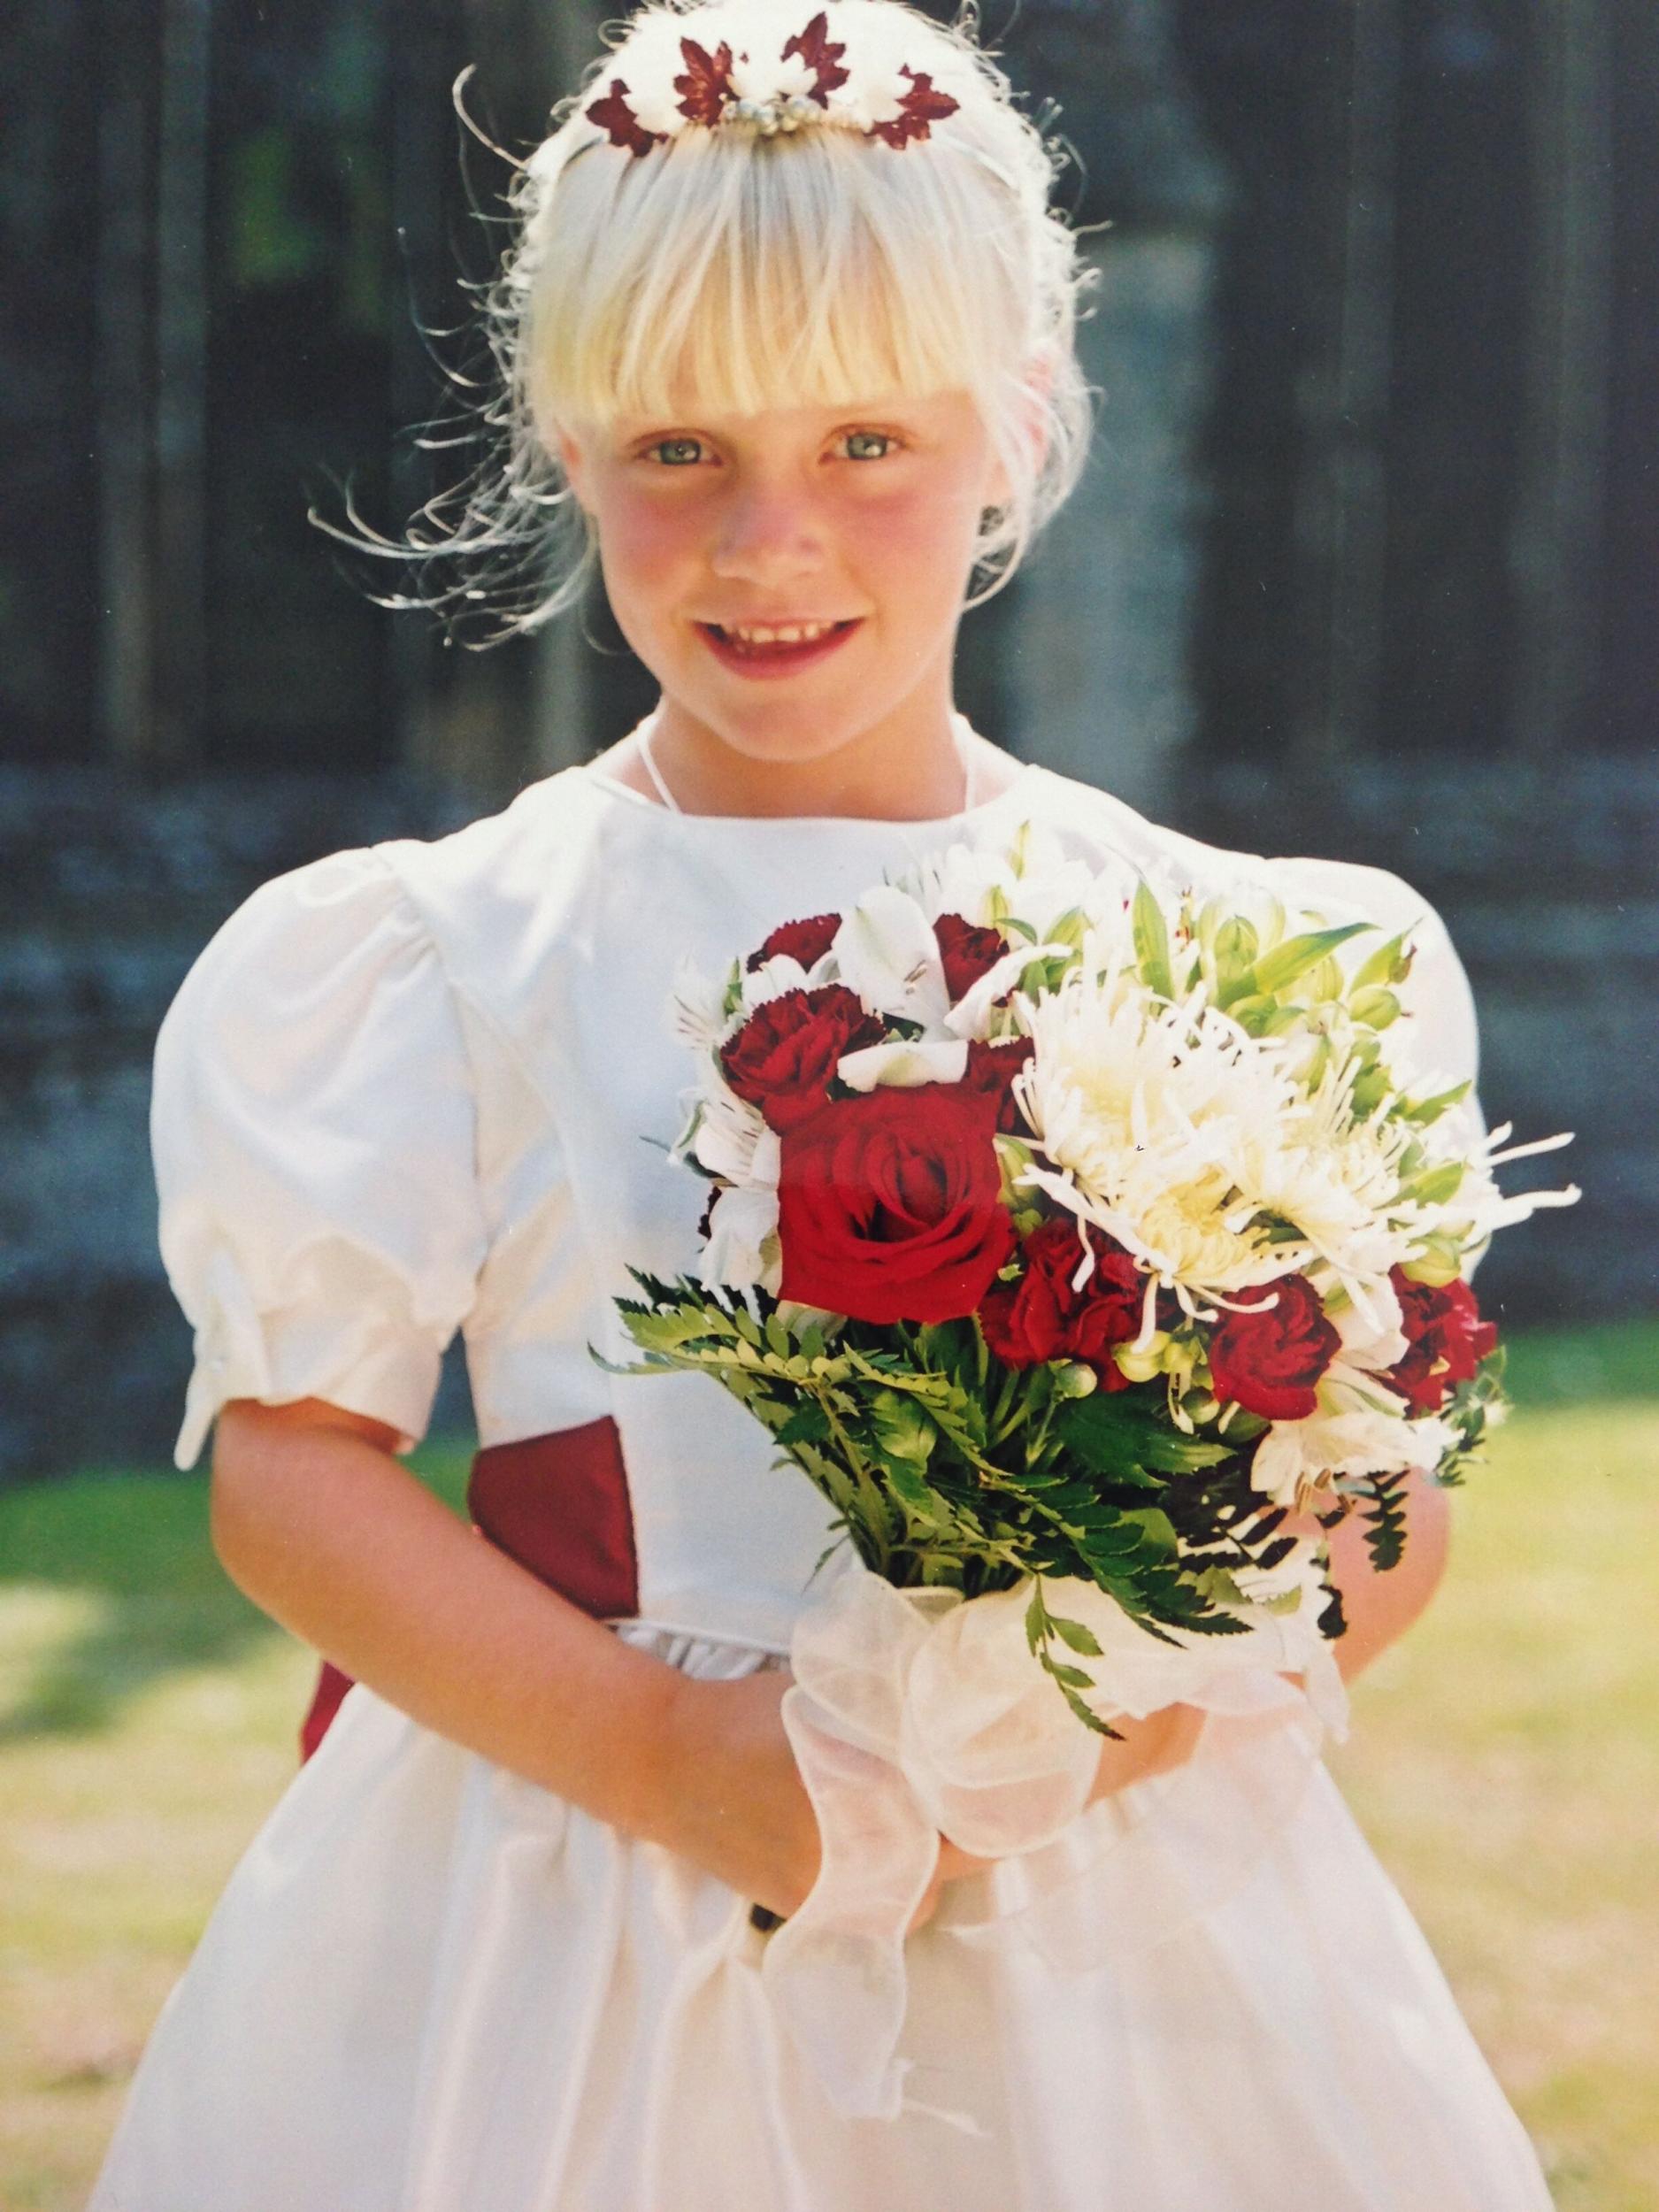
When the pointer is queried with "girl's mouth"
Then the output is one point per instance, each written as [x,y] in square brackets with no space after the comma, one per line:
[775,650]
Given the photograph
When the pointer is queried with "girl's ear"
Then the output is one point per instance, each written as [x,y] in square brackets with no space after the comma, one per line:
[1033,427]
[572,459]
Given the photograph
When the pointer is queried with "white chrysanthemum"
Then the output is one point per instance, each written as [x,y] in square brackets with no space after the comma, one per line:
[1142,1111]
[1336,1177]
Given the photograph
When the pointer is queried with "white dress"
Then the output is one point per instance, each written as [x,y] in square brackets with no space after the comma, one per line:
[423,1086]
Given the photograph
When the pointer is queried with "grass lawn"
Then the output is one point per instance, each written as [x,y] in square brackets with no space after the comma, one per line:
[1504,1762]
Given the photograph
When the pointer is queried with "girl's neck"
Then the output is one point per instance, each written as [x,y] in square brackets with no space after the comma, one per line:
[940,769]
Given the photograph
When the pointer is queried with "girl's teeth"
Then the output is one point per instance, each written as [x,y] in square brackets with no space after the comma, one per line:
[799,633]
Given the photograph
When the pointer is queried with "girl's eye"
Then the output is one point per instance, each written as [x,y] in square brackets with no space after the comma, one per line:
[684,447]
[869,445]
[662,445]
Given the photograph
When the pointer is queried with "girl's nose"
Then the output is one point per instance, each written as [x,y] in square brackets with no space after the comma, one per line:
[766,535]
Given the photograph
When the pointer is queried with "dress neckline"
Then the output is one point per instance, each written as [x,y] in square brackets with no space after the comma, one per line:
[1017,784]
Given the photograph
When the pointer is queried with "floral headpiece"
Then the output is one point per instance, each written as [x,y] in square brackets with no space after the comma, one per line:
[807,84]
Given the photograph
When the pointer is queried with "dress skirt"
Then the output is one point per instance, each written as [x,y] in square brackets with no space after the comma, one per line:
[430,1986]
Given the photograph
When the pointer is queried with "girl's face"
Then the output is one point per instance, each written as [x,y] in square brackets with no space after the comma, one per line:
[852,527]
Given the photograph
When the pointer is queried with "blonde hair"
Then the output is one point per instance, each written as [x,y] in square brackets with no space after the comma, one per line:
[744,272]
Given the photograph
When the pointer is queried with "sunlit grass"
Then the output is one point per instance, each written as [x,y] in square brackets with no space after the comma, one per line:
[1504,1761]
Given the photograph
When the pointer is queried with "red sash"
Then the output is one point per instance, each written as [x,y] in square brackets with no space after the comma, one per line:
[558,1504]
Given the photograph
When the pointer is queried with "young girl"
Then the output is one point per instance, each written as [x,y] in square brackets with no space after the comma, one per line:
[790,329]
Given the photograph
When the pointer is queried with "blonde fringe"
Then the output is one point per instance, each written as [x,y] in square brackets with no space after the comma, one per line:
[816,270]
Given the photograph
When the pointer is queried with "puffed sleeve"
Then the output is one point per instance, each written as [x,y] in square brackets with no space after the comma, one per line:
[1438,1044]
[312,1123]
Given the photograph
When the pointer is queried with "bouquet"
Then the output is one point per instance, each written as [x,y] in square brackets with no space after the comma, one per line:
[1093,1252]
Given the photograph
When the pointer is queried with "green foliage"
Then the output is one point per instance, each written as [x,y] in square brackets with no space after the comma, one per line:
[946,1469]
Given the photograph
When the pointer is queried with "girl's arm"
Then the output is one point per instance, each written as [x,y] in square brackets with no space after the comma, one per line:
[1379,1610]
[317,1521]
[1379,1607]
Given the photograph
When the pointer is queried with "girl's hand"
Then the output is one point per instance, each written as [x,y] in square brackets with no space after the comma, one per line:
[1163,1740]
[734,1803]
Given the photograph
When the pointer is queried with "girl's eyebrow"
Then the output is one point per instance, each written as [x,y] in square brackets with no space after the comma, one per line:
[849,411]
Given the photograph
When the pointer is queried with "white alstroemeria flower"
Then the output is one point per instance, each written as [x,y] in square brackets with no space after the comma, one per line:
[698,1007]
[903,1066]
[1372,1337]
[887,952]
[732,1139]
[1358,1439]
[963,879]
[971,1014]
[743,1248]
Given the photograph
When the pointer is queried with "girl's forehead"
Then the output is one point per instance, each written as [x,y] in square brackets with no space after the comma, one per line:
[783,424]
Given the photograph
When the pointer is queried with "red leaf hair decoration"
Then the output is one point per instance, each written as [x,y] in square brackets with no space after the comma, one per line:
[921,107]
[822,56]
[618,119]
[706,86]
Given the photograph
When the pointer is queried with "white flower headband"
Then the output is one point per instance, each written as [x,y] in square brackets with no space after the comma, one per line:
[806,85]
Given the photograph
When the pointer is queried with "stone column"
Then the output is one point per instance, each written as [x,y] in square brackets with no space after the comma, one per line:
[1095,634]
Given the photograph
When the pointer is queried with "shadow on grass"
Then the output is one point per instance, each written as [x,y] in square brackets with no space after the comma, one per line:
[135,1544]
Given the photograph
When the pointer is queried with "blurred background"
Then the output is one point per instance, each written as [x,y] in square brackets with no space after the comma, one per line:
[1366,563]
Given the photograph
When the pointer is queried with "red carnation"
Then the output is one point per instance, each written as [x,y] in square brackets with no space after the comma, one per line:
[966,952]
[1041,1318]
[782,1058]
[1446,1340]
[806,941]
[991,1068]
[1268,1357]
[890,1204]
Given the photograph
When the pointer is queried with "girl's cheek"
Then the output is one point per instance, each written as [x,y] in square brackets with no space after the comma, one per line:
[647,540]
[899,529]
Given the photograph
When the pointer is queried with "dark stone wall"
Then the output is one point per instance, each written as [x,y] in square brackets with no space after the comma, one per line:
[1548,877]
[108,890]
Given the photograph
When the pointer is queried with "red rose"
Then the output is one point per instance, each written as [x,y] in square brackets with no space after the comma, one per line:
[1041,1318]
[782,1058]
[890,1204]
[806,941]
[1447,1337]
[1268,1357]
[967,953]
[991,1068]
